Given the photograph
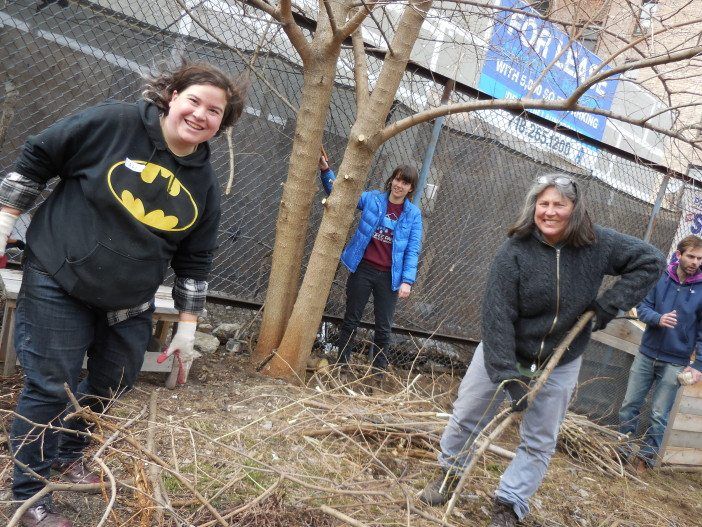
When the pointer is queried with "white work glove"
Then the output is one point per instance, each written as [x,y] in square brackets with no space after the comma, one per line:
[7,223]
[689,376]
[182,346]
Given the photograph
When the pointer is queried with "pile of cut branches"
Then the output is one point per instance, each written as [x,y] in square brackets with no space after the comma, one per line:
[327,453]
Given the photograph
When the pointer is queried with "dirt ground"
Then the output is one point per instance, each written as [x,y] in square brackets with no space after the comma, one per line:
[261,452]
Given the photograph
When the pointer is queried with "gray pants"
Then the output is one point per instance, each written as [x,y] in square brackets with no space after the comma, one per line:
[479,399]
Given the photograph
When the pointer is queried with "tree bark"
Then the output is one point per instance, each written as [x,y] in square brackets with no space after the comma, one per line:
[295,347]
[298,192]
[319,65]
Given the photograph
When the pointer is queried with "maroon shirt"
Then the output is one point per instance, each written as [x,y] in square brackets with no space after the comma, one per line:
[379,250]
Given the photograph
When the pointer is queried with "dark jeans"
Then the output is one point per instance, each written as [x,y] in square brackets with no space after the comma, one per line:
[366,280]
[53,333]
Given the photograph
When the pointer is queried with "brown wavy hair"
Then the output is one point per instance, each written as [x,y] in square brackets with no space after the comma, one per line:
[406,173]
[160,87]
[690,242]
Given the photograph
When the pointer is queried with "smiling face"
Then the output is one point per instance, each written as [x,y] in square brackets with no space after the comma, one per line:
[552,214]
[194,116]
[399,189]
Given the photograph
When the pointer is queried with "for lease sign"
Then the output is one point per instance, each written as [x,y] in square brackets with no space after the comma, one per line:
[527,53]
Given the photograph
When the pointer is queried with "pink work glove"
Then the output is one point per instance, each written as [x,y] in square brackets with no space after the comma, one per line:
[182,346]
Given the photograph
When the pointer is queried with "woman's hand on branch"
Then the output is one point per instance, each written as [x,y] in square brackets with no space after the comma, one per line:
[517,390]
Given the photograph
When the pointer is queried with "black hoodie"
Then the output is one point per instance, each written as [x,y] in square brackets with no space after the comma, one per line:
[124,208]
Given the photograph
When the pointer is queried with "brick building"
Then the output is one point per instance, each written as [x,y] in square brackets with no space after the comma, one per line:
[627,30]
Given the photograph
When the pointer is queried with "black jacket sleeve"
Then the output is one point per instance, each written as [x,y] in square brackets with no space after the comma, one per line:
[500,312]
[193,258]
[637,263]
[45,155]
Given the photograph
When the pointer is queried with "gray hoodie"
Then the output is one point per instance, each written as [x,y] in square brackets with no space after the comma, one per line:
[536,292]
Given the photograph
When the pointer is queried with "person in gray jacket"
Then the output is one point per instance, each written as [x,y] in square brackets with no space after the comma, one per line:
[544,276]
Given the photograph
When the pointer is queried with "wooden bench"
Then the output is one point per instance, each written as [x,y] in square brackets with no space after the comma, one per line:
[164,316]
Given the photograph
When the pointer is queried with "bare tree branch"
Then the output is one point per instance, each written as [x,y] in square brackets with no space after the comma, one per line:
[332,19]
[394,65]
[265,7]
[644,63]
[360,70]
[356,19]
[508,104]
[297,38]
[253,70]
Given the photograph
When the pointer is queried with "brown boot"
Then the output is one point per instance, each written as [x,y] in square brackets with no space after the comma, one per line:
[503,515]
[43,516]
[639,466]
[76,472]
[440,490]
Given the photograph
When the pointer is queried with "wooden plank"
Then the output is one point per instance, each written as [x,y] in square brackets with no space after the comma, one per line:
[165,315]
[690,405]
[7,339]
[623,329]
[687,422]
[615,342]
[674,411]
[684,439]
[13,280]
[693,391]
[150,363]
[164,300]
[682,456]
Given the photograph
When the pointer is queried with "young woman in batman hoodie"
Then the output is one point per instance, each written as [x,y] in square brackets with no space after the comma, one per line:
[136,192]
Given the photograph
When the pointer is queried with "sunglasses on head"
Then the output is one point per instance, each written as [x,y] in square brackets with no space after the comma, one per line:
[561,181]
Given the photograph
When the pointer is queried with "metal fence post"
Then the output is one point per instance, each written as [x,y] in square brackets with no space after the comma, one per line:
[656,207]
[431,147]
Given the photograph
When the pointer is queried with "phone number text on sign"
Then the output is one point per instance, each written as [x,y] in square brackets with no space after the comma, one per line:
[540,135]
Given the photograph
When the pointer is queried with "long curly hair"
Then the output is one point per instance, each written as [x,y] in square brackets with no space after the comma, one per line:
[579,232]
[160,87]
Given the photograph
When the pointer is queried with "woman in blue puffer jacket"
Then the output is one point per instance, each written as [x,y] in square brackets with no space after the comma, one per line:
[382,257]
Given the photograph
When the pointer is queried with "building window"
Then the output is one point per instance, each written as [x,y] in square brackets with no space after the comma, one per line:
[648,13]
[590,35]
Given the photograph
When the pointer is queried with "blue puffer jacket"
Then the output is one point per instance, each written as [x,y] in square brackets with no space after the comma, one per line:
[406,240]
[673,345]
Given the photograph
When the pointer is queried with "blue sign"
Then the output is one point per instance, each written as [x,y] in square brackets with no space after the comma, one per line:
[522,47]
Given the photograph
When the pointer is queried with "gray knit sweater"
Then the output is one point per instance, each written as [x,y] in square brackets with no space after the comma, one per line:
[524,294]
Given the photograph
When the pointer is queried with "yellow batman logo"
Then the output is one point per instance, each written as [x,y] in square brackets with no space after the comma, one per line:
[153,195]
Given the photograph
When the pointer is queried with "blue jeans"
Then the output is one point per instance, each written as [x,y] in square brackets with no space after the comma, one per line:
[477,403]
[644,373]
[359,286]
[53,333]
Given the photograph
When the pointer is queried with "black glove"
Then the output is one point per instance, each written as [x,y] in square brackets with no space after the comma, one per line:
[602,316]
[517,390]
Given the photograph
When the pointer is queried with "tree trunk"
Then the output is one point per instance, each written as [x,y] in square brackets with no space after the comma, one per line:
[307,313]
[295,347]
[298,191]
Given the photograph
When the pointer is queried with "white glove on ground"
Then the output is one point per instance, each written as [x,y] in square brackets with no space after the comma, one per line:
[7,222]
[182,346]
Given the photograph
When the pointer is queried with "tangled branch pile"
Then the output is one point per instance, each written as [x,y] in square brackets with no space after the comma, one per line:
[322,454]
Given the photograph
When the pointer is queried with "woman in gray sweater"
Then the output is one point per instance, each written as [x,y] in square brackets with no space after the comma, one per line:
[544,276]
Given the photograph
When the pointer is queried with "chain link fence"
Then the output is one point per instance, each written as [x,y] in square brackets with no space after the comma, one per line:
[60,57]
